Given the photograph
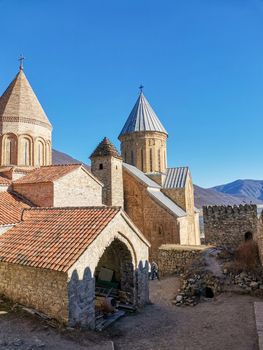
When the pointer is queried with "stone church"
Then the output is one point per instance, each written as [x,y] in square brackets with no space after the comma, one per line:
[158,199]
[63,226]
[60,246]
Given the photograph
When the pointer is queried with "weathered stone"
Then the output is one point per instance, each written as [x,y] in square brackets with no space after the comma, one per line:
[227,226]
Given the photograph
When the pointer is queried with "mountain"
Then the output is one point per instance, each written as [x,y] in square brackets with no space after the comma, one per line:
[252,189]
[63,158]
[237,192]
[209,196]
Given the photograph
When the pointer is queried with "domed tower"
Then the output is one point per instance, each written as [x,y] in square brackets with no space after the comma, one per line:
[106,165]
[143,139]
[25,131]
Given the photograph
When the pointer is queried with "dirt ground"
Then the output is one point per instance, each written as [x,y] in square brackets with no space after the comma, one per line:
[226,322]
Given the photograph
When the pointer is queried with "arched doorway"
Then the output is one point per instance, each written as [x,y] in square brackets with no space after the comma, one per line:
[115,272]
[248,236]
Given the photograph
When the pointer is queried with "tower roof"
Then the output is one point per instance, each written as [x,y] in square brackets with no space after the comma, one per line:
[19,103]
[142,118]
[104,149]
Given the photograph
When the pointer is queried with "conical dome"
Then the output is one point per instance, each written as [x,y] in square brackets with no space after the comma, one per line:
[19,102]
[25,131]
[105,149]
[142,118]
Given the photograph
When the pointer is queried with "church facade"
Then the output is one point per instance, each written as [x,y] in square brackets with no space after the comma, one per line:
[158,199]
[57,236]
[61,225]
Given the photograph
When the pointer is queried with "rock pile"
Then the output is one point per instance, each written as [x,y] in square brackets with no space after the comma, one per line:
[198,287]
[249,282]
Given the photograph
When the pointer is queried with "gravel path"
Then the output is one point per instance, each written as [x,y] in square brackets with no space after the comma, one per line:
[226,322]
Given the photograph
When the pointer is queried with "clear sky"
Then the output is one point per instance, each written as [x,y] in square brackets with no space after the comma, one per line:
[201,62]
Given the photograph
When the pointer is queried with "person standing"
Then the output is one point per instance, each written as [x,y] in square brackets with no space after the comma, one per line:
[154,271]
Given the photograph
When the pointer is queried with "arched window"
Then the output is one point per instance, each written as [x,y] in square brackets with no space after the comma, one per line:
[248,236]
[10,151]
[26,155]
[164,159]
[142,160]
[47,154]
[132,158]
[25,151]
[151,160]
[40,153]
[159,160]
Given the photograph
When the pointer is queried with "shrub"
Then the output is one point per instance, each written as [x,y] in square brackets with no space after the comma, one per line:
[247,256]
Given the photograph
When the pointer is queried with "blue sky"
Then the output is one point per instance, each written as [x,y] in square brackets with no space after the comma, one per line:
[201,62]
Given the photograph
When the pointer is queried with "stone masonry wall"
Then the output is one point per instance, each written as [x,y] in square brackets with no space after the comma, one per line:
[227,226]
[109,171]
[42,289]
[77,189]
[174,258]
[40,194]
[157,224]
[260,237]
[145,150]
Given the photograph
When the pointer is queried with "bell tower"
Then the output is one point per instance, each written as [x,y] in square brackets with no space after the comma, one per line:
[143,139]
[106,165]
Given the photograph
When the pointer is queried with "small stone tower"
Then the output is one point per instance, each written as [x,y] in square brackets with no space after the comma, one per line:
[143,139]
[106,165]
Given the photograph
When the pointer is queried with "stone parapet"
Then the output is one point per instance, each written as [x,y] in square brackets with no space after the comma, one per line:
[173,258]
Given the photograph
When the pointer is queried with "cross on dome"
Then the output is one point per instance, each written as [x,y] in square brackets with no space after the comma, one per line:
[21,60]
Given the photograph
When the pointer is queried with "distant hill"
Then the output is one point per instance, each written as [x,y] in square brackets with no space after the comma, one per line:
[251,189]
[209,196]
[63,158]
[237,192]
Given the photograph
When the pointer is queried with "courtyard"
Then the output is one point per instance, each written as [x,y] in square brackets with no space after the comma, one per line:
[225,322]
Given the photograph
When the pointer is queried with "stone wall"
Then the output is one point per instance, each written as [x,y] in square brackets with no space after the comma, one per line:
[157,224]
[40,194]
[145,150]
[108,170]
[228,225]
[174,258]
[77,189]
[82,273]
[42,289]
[260,237]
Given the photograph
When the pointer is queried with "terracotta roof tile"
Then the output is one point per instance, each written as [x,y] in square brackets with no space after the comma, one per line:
[54,238]
[11,208]
[47,173]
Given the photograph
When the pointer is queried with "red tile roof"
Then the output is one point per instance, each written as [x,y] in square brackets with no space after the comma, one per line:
[11,208]
[5,181]
[47,173]
[54,238]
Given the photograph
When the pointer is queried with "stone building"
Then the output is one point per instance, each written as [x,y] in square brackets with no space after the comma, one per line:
[106,165]
[230,226]
[60,186]
[51,260]
[56,234]
[143,139]
[159,200]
